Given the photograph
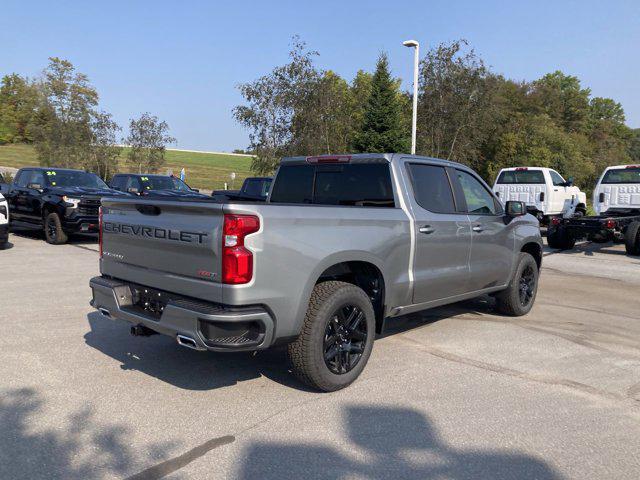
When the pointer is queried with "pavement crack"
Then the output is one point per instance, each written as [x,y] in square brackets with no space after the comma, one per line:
[539,378]
[176,463]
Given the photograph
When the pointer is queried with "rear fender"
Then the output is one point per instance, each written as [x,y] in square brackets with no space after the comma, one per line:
[329,261]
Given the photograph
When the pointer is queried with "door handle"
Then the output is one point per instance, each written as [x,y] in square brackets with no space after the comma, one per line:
[427,229]
[477,228]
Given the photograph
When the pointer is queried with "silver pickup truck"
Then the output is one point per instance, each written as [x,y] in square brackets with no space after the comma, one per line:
[343,244]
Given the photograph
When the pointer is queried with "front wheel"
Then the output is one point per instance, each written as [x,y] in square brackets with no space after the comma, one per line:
[518,298]
[336,339]
[53,231]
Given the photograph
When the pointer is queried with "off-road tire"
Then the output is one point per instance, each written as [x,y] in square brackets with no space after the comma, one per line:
[560,239]
[632,239]
[52,220]
[508,301]
[306,353]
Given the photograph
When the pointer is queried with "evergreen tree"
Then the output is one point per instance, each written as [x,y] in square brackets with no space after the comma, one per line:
[382,127]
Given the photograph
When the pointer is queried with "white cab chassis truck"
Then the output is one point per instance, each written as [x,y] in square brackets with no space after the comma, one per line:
[618,189]
[545,192]
[616,200]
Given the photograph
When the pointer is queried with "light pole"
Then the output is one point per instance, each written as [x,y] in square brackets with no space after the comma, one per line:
[416,61]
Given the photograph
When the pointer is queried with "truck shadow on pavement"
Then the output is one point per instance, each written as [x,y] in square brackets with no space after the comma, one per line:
[83,448]
[389,443]
[161,357]
[480,306]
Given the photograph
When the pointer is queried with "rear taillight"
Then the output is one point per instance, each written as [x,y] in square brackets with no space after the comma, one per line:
[100,229]
[542,196]
[522,169]
[610,223]
[601,197]
[555,221]
[237,261]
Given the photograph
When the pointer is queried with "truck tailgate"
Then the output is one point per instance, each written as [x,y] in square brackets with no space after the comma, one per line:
[164,244]
[527,193]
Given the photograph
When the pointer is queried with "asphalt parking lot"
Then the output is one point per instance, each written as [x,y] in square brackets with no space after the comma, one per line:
[453,393]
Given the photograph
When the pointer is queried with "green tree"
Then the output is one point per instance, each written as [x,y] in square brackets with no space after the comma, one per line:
[321,122]
[539,141]
[455,109]
[273,101]
[18,103]
[147,141]
[563,99]
[382,126]
[634,146]
[62,124]
[103,155]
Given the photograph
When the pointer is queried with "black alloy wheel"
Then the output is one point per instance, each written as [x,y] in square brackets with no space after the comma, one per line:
[345,339]
[527,285]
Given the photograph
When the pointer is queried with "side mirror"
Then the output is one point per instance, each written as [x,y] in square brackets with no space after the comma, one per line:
[34,186]
[515,209]
[133,190]
[570,182]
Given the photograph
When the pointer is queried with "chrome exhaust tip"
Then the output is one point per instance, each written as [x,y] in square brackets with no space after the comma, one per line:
[188,342]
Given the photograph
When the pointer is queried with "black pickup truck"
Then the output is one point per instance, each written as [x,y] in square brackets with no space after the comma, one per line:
[253,188]
[145,184]
[59,201]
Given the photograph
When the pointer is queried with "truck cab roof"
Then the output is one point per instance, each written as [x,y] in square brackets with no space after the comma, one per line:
[366,158]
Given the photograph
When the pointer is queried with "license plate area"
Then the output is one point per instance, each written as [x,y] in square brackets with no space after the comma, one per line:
[148,302]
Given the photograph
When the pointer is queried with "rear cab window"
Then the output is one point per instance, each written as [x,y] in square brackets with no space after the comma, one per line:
[521,176]
[343,184]
[622,175]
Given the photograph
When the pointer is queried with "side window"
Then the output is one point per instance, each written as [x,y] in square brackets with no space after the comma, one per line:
[37,177]
[479,199]
[557,180]
[117,182]
[133,182]
[22,178]
[431,188]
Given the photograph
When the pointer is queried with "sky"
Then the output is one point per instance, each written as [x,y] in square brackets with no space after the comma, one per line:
[183,60]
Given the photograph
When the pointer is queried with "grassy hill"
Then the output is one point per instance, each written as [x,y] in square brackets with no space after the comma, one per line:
[203,170]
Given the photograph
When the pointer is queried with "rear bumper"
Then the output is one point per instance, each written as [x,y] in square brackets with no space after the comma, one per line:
[211,326]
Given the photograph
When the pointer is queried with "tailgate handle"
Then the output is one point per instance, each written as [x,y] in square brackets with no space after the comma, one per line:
[148,209]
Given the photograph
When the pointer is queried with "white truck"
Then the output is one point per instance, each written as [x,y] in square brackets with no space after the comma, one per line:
[4,222]
[545,192]
[618,189]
